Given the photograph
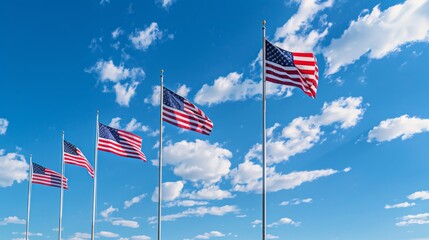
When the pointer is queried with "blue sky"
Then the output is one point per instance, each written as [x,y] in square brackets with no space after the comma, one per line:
[351,164]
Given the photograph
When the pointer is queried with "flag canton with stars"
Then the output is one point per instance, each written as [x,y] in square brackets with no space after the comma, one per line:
[278,55]
[70,148]
[38,169]
[173,100]
[109,133]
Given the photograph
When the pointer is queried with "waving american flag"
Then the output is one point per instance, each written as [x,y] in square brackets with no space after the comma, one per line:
[45,176]
[73,155]
[178,111]
[291,68]
[120,142]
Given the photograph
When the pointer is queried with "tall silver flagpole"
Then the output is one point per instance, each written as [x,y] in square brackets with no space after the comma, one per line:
[62,189]
[264,138]
[94,205]
[161,103]
[30,177]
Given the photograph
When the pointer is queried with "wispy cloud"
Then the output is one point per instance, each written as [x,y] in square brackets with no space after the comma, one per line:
[417,219]
[3,125]
[197,212]
[117,32]
[296,201]
[166,3]
[107,212]
[134,200]
[400,205]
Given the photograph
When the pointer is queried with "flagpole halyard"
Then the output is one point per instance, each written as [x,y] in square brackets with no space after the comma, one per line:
[161,93]
[264,138]
[94,205]
[30,178]
[62,188]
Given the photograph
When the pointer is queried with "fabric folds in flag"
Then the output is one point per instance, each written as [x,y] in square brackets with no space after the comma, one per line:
[295,69]
[73,155]
[120,142]
[178,111]
[45,176]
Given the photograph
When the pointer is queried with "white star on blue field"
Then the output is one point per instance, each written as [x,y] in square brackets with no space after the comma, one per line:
[350,164]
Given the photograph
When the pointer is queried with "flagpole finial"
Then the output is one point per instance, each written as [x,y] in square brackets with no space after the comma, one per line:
[264,22]
[162,71]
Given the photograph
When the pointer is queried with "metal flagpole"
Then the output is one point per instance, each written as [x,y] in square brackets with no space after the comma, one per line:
[62,188]
[264,138]
[94,205]
[161,103]
[30,178]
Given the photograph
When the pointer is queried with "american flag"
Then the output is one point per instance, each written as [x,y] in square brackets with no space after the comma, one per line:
[72,155]
[179,111]
[45,176]
[120,142]
[295,69]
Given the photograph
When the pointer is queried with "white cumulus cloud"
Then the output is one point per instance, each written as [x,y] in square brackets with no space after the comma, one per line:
[13,168]
[12,220]
[234,88]
[297,34]
[108,73]
[404,127]
[209,235]
[107,234]
[247,178]
[146,37]
[80,236]
[422,195]
[377,33]
[284,221]
[198,161]
[170,191]
[125,223]
[304,132]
